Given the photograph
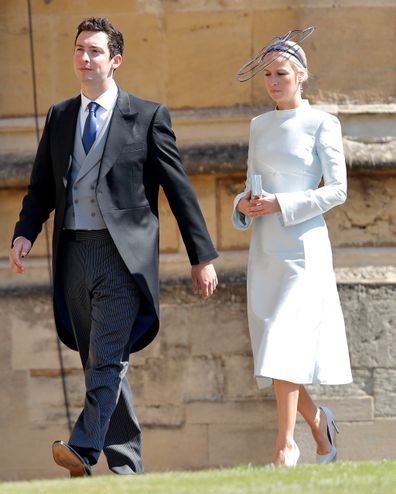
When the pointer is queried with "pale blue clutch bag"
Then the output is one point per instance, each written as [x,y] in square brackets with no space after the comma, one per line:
[256,185]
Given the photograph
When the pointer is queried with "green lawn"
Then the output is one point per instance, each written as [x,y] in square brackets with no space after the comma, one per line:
[339,478]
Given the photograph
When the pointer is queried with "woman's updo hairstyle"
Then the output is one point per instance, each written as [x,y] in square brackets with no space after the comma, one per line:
[298,67]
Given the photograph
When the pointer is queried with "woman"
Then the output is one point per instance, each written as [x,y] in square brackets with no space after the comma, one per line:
[295,319]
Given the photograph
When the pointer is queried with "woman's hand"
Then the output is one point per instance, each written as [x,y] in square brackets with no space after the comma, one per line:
[244,204]
[258,206]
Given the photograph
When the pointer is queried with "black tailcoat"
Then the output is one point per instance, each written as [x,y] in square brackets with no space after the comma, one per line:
[140,156]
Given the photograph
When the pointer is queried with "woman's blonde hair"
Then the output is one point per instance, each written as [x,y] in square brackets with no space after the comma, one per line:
[296,64]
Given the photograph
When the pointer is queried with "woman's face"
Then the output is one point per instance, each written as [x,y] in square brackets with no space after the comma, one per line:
[282,82]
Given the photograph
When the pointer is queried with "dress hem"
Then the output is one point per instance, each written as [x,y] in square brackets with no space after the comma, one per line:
[266,381]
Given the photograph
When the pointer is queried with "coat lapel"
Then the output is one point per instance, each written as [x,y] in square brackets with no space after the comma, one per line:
[67,131]
[120,132]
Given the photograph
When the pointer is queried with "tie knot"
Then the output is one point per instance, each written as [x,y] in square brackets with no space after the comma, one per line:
[92,107]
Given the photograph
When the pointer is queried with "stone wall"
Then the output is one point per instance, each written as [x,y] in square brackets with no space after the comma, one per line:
[186,53]
[194,391]
[368,219]
[193,387]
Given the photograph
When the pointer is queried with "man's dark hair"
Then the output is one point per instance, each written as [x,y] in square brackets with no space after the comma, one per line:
[97,24]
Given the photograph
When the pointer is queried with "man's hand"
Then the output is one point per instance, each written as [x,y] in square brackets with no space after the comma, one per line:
[20,250]
[204,279]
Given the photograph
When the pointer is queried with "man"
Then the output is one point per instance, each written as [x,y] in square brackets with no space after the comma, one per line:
[102,157]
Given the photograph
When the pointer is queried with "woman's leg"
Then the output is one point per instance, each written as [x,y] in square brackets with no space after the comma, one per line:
[286,394]
[316,419]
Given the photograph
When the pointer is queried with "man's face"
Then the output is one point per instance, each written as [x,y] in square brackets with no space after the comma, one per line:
[91,59]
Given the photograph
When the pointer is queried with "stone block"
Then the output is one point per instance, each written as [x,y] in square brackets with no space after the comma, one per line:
[367,441]
[11,203]
[146,63]
[361,386]
[6,340]
[15,79]
[175,334]
[368,218]
[34,339]
[221,332]
[192,6]
[203,379]
[345,24]
[357,441]
[163,381]
[31,447]
[154,350]
[46,401]
[240,443]
[160,416]
[239,378]
[169,233]
[185,449]
[136,380]
[14,407]
[347,409]
[385,392]
[72,7]
[206,50]
[228,237]
[262,412]
[370,314]
[205,188]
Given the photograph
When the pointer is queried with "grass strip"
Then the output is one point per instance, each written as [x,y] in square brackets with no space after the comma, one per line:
[337,478]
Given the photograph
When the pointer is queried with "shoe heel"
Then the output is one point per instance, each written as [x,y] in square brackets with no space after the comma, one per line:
[335,427]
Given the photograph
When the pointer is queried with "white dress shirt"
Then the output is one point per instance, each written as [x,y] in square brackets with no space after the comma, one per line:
[107,102]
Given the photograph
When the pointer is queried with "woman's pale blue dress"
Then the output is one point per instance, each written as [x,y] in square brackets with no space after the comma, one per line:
[295,319]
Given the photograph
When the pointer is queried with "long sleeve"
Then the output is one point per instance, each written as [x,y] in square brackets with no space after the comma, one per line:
[40,198]
[297,207]
[239,220]
[179,191]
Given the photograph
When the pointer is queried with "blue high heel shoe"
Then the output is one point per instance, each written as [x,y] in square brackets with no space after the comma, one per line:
[331,430]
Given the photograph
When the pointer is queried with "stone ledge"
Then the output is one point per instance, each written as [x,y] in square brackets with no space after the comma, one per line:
[361,265]
[182,116]
[203,159]
[214,140]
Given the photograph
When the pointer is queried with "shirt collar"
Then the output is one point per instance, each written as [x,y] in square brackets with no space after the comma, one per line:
[106,100]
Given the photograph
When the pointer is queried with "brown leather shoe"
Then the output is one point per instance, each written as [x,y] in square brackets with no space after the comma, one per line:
[66,457]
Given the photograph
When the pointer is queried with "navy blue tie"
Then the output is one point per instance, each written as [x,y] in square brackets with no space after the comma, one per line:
[89,134]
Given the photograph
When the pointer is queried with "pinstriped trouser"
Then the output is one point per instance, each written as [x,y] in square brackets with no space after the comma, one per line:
[102,300]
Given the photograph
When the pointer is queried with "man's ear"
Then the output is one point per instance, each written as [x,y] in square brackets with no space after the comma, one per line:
[117,59]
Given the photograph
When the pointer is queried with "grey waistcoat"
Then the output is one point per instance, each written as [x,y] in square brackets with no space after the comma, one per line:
[82,210]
